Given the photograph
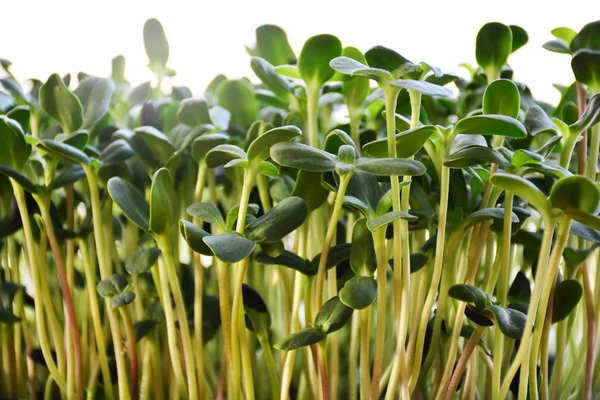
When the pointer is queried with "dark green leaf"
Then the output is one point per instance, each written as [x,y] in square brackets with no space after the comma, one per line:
[423,87]
[566,297]
[61,104]
[387,218]
[14,151]
[237,96]
[112,286]
[142,260]
[332,316]
[304,157]
[493,46]
[525,189]
[519,37]
[475,155]
[272,45]
[205,143]
[68,176]
[587,38]
[258,319]
[230,247]
[207,212]
[502,97]
[163,202]
[491,124]
[302,338]
[130,201]
[359,292]
[313,62]
[389,166]
[21,179]
[337,254]
[362,253]
[193,112]
[510,321]
[286,259]
[586,67]
[279,85]
[387,59]
[282,219]
[122,299]
[223,154]
[469,294]
[590,116]
[95,95]
[417,261]
[557,46]
[576,193]
[193,236]
[260,147]
[408,143]
[64,152]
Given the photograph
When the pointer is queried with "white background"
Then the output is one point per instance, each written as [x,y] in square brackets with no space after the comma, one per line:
[208,37]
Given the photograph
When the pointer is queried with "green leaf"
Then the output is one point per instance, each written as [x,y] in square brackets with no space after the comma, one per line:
[258,319]
[585,232]
[408,143]
[537,121]
[502,97]
[308,187]
[388,60]
[491,124]
[586,218]
[302,338]
[519,37]
[163,202]
[337,254]
[268,169]
[469,294]
[590,116]
[510,321]
[64,152]
[230,247]
[142,260]
[576,193]
[61,104]
[232,215]
[587,38]
[207,212]
[112,286]
[359,292]
[349,66]
[21,179]
[193,112]
[260,147]
[417,261]
[67,176]
[156,45]
[122,299]
[211,317]
[286,259]
[332,316]
[423,87]
[304,157]
[524,189]
[282,219]
[387,218]
[276,83]
[520,289]
[237,96]
[474,155]
[273,249]
[565,34]
[557,46]
[78,139]
[362,253]
[21,114]
[272,45]
[566,297]
[95,95]
[7,317]
[355,90]
[152,147]
[586,67]
[493,46]
[205,143]
[193,236]
[14,151]
[389,166]
[313,62]
[130,201]
[224,154]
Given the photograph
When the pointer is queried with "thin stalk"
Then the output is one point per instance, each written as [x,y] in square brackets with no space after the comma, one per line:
[502,288]
[594,149]
[365,376]
[329,236]
[223,278]
[169,256]
[322,365]
[334,342]
[90,275]
[132,349]
[270,363]
[237,313]
[353,356]
[561,340]
[382,263]
[312,115]
[540,277]
[104,264]
[67,298]
[462,362]
[436,276]
[561,240]
[591,331]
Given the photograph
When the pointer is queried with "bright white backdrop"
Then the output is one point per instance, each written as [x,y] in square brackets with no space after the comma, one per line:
[208,37]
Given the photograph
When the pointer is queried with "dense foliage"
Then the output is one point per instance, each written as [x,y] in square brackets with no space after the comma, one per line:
[348,227]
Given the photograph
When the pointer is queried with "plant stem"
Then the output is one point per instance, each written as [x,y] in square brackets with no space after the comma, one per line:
[223,278]
[312,115]
[105,267]
[270,363]
[68,299]
[540,277]
[462,362]
[561,240]
[132,348]
[164,243]
[382,263]
[591,331]
[329,236]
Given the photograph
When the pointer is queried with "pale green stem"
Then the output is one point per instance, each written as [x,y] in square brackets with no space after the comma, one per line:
[382,263]
[312,115]
[462,362]
[522,355]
